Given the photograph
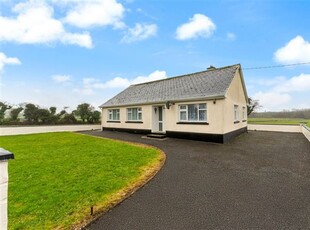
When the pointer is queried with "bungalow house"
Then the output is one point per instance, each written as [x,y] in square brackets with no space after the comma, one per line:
[210,105]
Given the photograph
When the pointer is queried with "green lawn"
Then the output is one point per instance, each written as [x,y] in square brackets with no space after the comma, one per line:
[278,121]
[56,177]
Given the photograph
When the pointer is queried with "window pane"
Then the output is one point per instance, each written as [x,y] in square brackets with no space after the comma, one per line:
[235,112]
[160,113]
[192,112]
[183,116]
[129,115]
[140,114]
[202,106]
[113,114]
[134,114]
[117,116]
[202,115]
[182,106]
[160,126]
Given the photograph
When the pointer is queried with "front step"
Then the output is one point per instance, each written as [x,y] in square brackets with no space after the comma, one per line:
[157,135]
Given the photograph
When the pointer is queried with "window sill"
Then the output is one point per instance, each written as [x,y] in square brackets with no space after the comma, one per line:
[244,121]
[137,122]
[236,122]
[113,121]
[192,123]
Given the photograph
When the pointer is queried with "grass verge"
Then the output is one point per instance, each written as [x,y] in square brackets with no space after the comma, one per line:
[278,121]
[56,178]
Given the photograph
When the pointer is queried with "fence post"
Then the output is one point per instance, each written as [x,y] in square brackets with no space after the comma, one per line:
[4,179]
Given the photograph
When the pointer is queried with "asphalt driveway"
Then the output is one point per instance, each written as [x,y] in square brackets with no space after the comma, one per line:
[260,180]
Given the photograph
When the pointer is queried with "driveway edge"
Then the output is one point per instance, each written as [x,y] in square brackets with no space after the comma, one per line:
[148,174]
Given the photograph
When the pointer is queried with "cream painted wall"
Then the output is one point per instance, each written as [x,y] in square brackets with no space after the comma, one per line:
[146,118]
[171,117]
[235,96]
[214,118]
[3,194]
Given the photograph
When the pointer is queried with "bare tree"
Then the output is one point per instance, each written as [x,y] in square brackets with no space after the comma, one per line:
[253,105]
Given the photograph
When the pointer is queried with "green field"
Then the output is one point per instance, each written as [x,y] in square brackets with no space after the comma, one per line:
[56,177]
[278,121]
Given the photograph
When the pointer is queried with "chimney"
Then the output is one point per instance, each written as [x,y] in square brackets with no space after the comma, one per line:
[211,67]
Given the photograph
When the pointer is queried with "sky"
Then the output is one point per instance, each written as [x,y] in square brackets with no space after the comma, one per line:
[66,52]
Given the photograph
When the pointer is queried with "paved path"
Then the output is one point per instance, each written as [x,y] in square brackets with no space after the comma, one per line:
[259,180]
[5,131]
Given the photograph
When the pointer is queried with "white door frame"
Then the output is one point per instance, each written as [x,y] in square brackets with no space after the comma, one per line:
[156,122]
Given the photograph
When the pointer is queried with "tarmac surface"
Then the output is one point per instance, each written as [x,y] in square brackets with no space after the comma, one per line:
[259,180]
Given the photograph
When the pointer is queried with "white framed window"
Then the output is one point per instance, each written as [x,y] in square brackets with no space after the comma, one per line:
[236,113]
[243,113]
[134,114]
[193,112]
[113,114]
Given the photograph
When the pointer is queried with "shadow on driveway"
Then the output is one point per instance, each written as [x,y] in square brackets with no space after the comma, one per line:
[260,180]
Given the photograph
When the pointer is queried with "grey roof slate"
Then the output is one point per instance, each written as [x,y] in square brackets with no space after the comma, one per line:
[205,84]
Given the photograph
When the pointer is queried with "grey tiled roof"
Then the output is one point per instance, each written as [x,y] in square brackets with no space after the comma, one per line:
[205,84]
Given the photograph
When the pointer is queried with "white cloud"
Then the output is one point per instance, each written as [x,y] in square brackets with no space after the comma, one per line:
[34,23]
[140,32]
[82,39]
[295,84]
[117,82]
[272,101]
[198,26]
[282,91]
[4,60]
[156,75]
[86,14]
[91,84]
[89,81]
[61,78]
[296,50]
[87,88]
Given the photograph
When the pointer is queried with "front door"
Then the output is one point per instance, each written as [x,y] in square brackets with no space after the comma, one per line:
[158,119]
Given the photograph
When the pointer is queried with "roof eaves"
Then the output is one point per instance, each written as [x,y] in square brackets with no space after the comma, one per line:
[163,102]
